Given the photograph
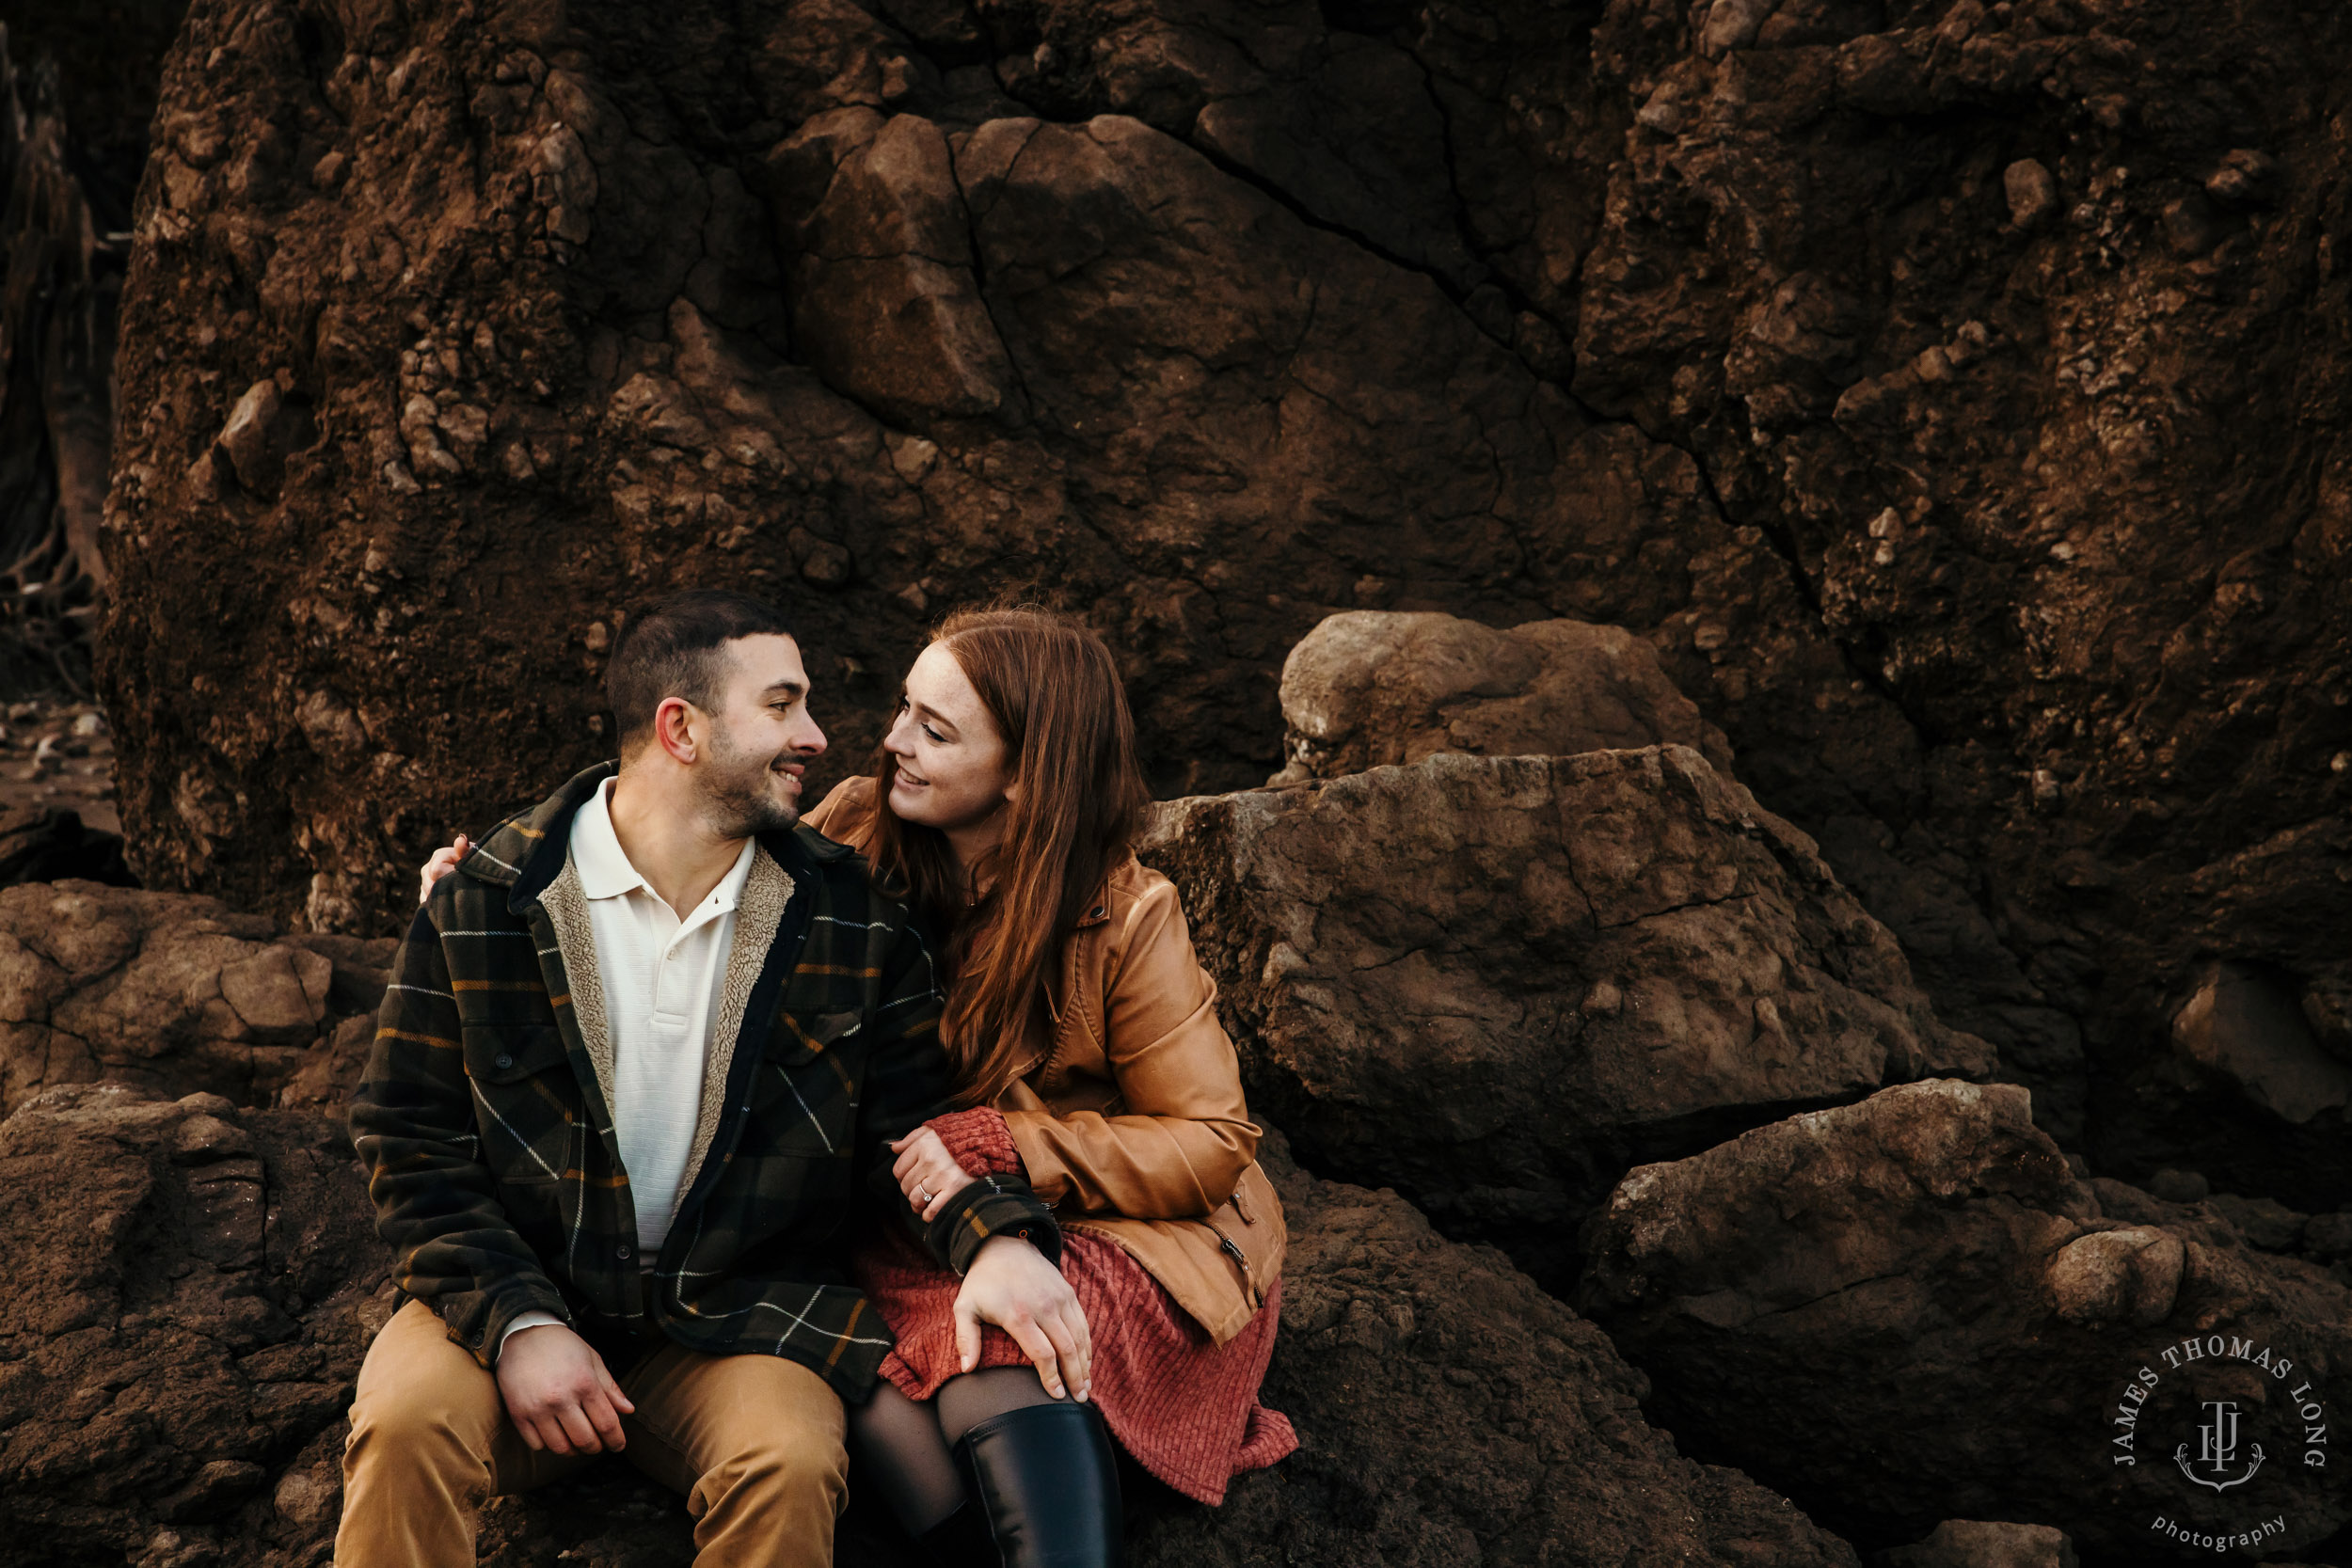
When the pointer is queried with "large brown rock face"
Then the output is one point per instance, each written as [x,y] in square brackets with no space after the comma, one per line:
[1909,1307]
[1930,383]
[1494,982]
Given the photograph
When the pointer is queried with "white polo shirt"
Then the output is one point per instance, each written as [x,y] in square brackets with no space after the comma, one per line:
[661,977]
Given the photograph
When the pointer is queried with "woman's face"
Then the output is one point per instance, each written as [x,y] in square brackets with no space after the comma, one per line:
[951,771]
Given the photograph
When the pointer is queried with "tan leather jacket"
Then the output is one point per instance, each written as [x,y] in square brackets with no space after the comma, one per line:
[1130,1115]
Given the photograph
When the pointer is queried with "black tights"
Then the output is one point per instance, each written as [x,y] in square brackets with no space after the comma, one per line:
[906,1448]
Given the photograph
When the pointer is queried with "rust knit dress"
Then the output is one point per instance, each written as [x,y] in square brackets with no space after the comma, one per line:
[1184,1407]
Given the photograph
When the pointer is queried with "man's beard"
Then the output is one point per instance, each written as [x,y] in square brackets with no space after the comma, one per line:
[736,785]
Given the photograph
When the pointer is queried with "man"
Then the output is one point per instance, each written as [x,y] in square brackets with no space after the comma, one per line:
[642,1059]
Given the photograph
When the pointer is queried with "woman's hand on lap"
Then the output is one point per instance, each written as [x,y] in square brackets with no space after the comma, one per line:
[927,1173]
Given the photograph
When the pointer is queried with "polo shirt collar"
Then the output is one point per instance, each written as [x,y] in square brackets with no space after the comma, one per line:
[605,871]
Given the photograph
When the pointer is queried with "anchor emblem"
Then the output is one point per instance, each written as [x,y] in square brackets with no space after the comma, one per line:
[2218,1448]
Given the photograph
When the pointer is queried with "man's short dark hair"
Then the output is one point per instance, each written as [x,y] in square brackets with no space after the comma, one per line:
[671,648]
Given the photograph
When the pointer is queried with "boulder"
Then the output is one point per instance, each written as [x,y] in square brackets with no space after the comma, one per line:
[192,1288]
[172,993]
[1494,982]
[2244,1081]
[263,428]
[1368,687]
[886,304]
[2254,1034]
[2329,1237]
[1911,1307]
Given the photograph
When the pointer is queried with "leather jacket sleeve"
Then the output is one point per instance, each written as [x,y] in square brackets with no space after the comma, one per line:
[1180,1135]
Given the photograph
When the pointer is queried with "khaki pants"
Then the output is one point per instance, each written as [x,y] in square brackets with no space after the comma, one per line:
[754,1441]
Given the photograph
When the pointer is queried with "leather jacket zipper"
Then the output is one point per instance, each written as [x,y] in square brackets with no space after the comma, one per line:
[1257,1297]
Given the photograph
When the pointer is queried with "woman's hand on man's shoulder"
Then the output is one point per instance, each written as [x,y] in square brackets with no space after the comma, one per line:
[443,862]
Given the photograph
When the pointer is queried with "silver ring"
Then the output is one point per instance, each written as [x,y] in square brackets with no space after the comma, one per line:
[925,1192]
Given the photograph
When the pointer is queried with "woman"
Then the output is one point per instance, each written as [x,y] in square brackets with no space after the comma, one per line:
[1087,1047]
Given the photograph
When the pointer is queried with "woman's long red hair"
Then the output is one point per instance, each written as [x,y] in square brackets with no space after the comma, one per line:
[1053,690]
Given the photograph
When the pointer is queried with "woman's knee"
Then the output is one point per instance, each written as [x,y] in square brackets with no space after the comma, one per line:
[965,1402]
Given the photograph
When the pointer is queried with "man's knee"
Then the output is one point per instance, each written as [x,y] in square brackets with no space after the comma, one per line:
[799,1478]
[792,1457]
[421,1399]
[425,1422]
[419,1420]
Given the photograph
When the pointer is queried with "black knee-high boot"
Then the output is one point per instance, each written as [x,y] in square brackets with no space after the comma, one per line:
[1043,1480]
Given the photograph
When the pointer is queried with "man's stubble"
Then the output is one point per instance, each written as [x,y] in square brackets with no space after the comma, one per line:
[736,784]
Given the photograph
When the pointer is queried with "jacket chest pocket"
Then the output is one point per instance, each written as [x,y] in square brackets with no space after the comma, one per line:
[526,1099]
[803,1096]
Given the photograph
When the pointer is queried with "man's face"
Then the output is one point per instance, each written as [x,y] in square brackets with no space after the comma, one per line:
[761,740]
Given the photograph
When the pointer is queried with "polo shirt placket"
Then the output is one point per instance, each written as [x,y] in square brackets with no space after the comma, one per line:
[661,976]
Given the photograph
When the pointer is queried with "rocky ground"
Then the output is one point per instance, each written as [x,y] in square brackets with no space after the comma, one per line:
[199,1281]
[59,756]
[1913,1305]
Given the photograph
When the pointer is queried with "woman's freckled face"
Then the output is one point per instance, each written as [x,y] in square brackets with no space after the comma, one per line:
[951,760]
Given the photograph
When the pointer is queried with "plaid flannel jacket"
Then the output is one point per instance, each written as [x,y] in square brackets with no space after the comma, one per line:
[489,1147]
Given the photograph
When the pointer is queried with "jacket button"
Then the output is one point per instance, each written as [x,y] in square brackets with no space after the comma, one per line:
[503,1062]
[621,1252]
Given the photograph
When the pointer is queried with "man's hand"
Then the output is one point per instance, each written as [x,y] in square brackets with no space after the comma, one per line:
[927,1173]
[558,1393]
[442,864]
[1012,1285]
